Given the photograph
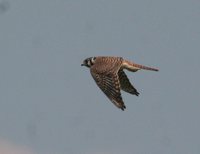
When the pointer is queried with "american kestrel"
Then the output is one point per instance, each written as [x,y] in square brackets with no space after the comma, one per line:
[109,76]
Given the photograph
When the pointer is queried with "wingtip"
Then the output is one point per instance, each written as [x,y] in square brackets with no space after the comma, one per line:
[123,108]
[137,94]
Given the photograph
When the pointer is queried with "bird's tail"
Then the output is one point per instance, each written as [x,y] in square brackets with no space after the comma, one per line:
[134,67]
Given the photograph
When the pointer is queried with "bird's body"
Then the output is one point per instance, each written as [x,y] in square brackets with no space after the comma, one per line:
[109,75]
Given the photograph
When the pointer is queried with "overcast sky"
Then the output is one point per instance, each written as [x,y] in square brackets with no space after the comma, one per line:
[49,104]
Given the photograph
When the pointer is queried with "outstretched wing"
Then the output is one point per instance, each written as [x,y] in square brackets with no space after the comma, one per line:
[125,83]
[109,84]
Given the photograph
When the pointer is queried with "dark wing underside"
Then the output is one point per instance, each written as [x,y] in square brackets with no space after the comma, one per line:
[109,84]
[125,83]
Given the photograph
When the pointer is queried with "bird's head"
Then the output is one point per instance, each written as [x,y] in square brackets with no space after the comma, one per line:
[88,62]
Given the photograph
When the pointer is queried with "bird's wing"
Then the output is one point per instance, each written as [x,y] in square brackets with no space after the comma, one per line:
[125,83]
[109,84]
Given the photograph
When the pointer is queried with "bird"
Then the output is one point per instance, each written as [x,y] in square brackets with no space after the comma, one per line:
[108,73]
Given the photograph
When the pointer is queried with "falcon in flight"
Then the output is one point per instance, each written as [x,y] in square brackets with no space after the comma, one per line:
[109,75]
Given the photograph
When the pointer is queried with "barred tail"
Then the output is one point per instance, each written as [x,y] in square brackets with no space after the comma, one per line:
[144,67]
[134,67]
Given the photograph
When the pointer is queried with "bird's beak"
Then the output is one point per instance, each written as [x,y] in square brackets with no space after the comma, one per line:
[83,64]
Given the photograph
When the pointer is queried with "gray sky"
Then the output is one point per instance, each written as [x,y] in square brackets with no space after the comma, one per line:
[50,104]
